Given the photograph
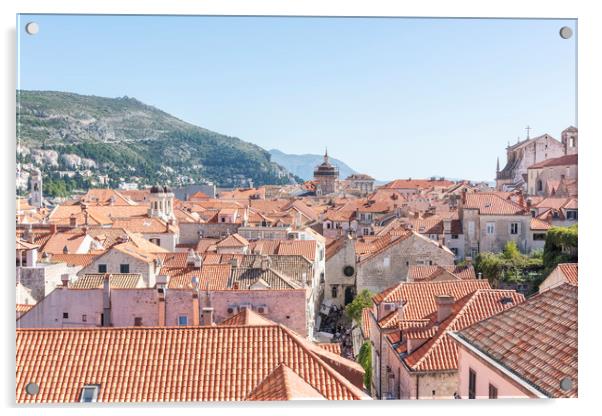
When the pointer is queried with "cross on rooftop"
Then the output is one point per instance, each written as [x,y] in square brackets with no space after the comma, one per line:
[528,128]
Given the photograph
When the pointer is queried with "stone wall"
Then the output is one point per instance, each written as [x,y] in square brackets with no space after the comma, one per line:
[44,278]
[390,266]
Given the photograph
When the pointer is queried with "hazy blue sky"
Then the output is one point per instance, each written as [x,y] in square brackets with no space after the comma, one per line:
[391,97]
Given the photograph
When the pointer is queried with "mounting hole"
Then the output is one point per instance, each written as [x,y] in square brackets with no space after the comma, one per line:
[566,384]
[566,32]
[32,389]
[32,28]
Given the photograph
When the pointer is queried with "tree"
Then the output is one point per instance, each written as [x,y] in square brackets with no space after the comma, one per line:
[511,266]
[355,308]
[364,358]
[560,247]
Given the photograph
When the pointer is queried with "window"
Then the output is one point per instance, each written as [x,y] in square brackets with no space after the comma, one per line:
[89,393]
[514,228]
[182,320]
[571,215]
[490,228]
[84,318]
[348,271]
[124,268]
[65,315]
[156,241]
[472,383]
[533,213]
[471,228]
[539,186]
[102,268]
[492,391]
[334,291]
[454,236]
[138,321]
[387,261]
[455,251]
[539,236]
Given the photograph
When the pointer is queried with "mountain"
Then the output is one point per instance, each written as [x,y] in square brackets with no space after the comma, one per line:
[303,165]
[128,140]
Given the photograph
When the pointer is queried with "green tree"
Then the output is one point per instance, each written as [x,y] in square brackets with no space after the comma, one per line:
[355,308]
[511,266]
[560,247]
[364,358]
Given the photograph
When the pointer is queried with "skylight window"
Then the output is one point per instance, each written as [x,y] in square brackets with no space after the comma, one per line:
[90,393]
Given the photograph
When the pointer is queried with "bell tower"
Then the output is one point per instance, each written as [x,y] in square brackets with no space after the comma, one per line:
[35,196]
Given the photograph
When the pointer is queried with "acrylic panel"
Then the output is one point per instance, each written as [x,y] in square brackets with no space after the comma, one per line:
[236,208]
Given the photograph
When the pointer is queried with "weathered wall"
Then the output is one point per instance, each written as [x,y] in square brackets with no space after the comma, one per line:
[390,266]
[286,307]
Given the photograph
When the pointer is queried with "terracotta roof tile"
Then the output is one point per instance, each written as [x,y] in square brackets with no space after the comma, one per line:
[247,317]
[116,281]
[333,347]
[557,161]
[536,340]
[420,296]
[493,203]
[218,363]
[73,259]
[420,273]
[570,271]
[284,384]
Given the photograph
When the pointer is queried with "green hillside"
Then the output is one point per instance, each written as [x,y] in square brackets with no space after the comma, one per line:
[127,138]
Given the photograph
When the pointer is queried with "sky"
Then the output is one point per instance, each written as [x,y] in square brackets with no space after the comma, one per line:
[391,97]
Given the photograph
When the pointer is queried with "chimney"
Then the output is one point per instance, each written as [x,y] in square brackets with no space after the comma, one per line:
[65,280]
[161,304]
[190,258]
[265,263]
[28,234]
[106,300]
[447,226]
[464,196]
[208,316]
[195,308]
[72,220]
[444,307]
[234,262]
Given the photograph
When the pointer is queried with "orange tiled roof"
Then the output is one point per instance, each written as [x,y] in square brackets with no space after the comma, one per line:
[22,308]
[418,273]
[247,317]
[233,240]
[284,384]
[217,363]
[440,352]
[417,184]
[209,276]
[333,347]
[420,296]
[536,340]
[537,224]
[493,203]
[557,161]
[305,248]
[73,259]
[570,271]
[145,225]
[116,281]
